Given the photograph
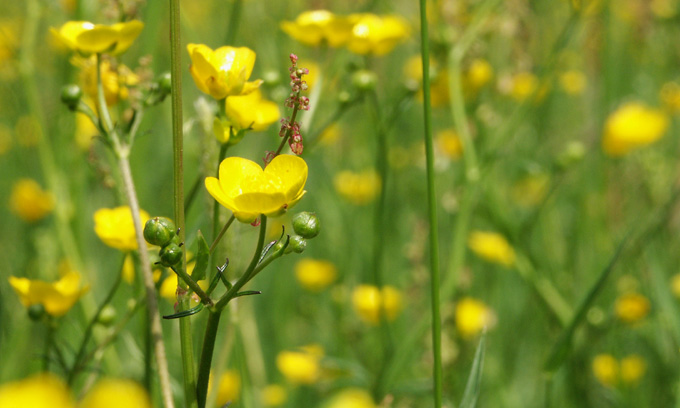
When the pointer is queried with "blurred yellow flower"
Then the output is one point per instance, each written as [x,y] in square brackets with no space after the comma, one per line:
[633,367]
[114,226]
[224,71]
[670,96]
[300,367]
[57,298]
[675,285]
[492,247]
[116,393]
[229,388]
[372,304]
[439,80]
[39,391]
[472,316]
[87,38]
[330,135]
[631,126]
[315,275]
[478,74]
[86,131]
[449,143]
[248,191]
[378,35]
[30,202]
[351,398]
[274,395]
[358,188]
[632,307]
[664,8]
[318,27]
[251,111]
[314,72]
[606,369]
[115,79]
[168,288]
[524,84]
[128,271]
[573,82]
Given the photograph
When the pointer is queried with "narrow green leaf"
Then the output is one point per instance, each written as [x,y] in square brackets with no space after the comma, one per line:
[185,313]
[202,258]
[474,382]
[248,293]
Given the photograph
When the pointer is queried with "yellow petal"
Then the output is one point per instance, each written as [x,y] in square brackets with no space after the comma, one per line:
[233,170]
[127,33]
[100,38]
[22,288]
[215,189]
[260,202]
[292,171]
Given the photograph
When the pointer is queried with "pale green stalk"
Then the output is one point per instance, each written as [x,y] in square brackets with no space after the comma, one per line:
[432,210]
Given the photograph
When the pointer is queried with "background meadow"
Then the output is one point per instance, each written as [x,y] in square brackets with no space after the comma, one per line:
[555,133]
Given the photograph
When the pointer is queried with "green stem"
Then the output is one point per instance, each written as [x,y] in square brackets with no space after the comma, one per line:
[432,209]
[49,338]
[182,275]
[234,19]
[221,233]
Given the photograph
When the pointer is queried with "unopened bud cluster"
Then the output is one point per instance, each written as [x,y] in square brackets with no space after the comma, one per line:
[297,102]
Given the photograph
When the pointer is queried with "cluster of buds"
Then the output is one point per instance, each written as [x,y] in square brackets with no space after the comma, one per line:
[295,138]
[296,101]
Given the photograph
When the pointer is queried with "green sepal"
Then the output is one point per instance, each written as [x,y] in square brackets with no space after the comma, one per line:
[185,313]
[202,258]
[248,293]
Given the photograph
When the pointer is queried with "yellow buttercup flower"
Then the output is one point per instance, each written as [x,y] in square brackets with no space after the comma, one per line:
[39,391]
[30,202]
[632,307]
[224,71]
[57,298]
[473,316]
[378,35]
[606,369]
[251,111]
[116,393]
[492,247]
[229,388]
[88,38]
[274,395]
[300,367]
[315,275]
[352,398]
[115,80]
[632,126]
[439,80]
[319,26]
[114,226]
[477,75]
[449,143]
[524,85]
[633,367]
[248,191]
[358,188]
[372,304]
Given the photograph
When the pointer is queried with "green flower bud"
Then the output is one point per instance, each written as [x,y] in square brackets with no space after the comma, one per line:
[573,153]
[70,96]
[107,316]
[36,312]
[344,97]
[165,83]
[159,231]
[364,80]
[171,254]
[297,244]
[306,224]
[271,78]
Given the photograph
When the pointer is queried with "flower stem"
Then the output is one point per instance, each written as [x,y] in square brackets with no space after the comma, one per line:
[432,209]
[293,116]
[221,234]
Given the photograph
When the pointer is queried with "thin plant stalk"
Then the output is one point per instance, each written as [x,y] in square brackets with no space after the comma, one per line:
[432,210]
[186,340]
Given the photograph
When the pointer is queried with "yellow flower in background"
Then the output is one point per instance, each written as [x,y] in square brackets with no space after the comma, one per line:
[85,132]
[675,285]
[524,84]
[300,367]
[128,271]
[274,395]
[606,369]
[477,75]
[229,388]
[87,38]
[372,304]
[29,201]
[251,111]
[439,80]
[633,368]
[351,398]
[168,288]
[248,191]
[116,393]
[358,188]
[314,72]
[632,307]
[573,82]
[318,27]
[114,226]
[492,247]
[57,297]
[472,316]
[632,126]
[449,143]
[670,96]
[378,35]
[330,135]
[315,275]
[115,79]
[39,391]
[224,71]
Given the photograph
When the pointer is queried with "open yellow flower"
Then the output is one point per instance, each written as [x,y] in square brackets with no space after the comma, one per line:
[473,316]
[632,126]
[373,34]
[57,298]
[301,367]
[251,111]
[371,303]
[492,247]
[358,188]
[248,191]
[118,393]
[315,274]
[115,79]
[319,26]
[39,391]
[29,201]
[606,369]
[224,71]
[114,226]
[88,38]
